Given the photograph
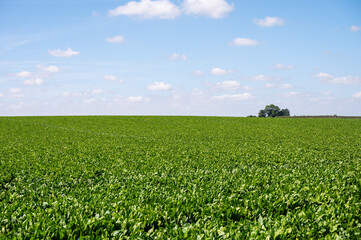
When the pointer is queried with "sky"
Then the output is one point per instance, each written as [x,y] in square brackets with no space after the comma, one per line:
[179,57]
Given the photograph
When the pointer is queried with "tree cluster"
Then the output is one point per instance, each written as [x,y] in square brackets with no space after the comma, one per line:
[273,111]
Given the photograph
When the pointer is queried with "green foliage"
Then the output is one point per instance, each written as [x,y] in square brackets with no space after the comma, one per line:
[284,112]
[262,113]
[179,178]
[273,111]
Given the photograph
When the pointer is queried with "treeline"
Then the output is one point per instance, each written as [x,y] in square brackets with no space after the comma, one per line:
[274,111]
[326,116]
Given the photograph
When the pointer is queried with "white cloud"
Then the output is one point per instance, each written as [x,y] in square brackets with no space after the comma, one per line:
[1,95]
[280,86]
[261,77]
[280,66]
[63,53]
[234,97]
[15,90]
[144,9]
[291,94]
[115,39]
[134,99]
[112,78]
[244,42]
[220,71]
[159,86]
[269,21]
[328,78]
[357,95]
[346,80]
[176,56]
[165,9]
[89,100]
[81,94]
[323,76]
[50,69]
[97,91]
[35,81]
[209,8]
[196,92]
[18,106]
[23,74]
[229,85]
[247,88]
[42,72]
[355,28]
[197,73]
[326,93]
[66,94]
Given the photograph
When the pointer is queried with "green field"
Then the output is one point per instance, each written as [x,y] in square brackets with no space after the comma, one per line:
[179,177]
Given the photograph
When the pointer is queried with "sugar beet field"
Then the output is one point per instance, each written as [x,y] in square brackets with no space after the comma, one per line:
[153,177]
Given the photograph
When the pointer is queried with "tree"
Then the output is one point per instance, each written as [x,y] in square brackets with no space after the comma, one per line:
[273,111]
[285,112]
[262,113]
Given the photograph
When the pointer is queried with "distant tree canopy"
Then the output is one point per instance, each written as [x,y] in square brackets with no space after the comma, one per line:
[273,111]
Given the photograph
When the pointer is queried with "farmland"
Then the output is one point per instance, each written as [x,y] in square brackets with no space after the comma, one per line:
[138,177]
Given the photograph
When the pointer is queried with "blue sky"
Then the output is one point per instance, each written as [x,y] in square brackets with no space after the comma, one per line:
[179,57]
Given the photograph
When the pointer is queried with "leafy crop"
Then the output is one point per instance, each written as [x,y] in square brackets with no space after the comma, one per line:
[179,177]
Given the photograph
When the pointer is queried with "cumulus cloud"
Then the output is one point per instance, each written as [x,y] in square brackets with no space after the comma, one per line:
[346,80]
[262,77]
[209,8]
[234,97]
[323,76]
[355,28]
[35,82]
[291,94]
[134,99]
[112,78]
[63,53]
[197,73]
[269,21]
[23,74]
[50,69]
[229,85]
[115,39]
[196,92]
[16,92]
[97,91]
[89,100]
[146,9]
[159,86]
[357,95]
[176,56]
[220,71]
[1,95]
[280,66]
[243,42]
[17,106]
[280,86]
[328,78]
[66,94]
